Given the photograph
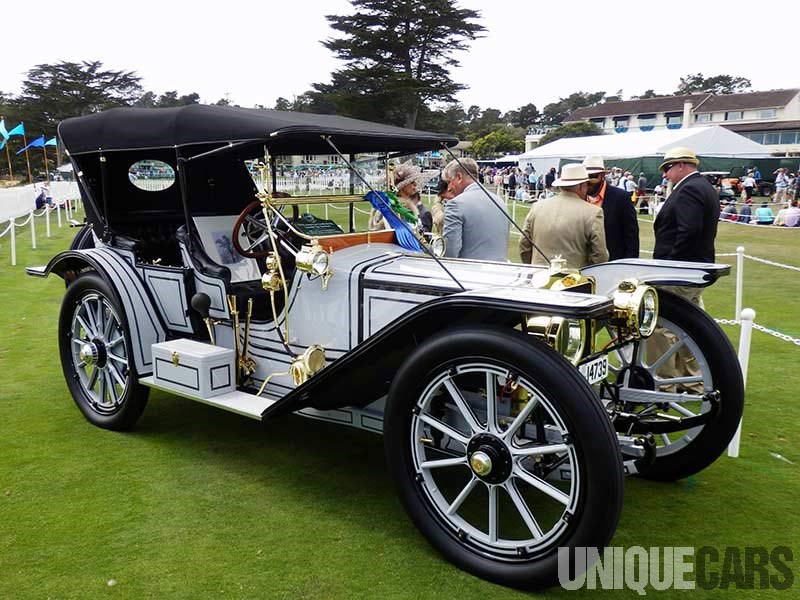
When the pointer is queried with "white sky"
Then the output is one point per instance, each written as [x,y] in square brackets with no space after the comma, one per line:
[254,52]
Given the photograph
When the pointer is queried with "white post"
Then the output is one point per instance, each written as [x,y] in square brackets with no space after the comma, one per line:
[326,211]
[739,280]
[514,211]
[33,231]
[47,219]
[68,209]
[13,243]
[747,317]
[58,213]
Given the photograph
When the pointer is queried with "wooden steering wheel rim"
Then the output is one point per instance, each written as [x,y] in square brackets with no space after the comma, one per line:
[256,204]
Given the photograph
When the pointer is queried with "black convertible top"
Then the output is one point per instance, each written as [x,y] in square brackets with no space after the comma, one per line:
[197,125]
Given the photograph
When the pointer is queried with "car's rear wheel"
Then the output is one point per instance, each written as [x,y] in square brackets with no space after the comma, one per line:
[501,454]
[96,357]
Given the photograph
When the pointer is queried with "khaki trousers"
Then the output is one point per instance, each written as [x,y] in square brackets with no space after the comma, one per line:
[682,363]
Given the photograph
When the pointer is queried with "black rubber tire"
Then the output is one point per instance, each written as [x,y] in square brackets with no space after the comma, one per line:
[134,396]
[601,490]
[726,375]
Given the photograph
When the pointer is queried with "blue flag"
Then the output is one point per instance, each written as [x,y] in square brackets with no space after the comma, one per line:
[3,131]
[18,130]
[2,144]
[51,142]
[37,143]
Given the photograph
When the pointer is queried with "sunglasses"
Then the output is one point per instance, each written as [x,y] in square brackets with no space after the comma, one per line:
[666,169]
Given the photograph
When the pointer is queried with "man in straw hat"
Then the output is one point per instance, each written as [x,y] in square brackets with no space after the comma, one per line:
[686,226]
[619,214]
[566,224]
[685,229]
[473,227]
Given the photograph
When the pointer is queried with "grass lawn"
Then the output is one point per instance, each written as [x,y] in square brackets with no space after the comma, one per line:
[197,503]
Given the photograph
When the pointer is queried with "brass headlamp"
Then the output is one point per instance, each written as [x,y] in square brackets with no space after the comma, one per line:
[565,336]
[636,307]
[314,260]
[307,364]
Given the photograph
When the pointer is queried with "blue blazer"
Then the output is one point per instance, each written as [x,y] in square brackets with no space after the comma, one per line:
[622,226]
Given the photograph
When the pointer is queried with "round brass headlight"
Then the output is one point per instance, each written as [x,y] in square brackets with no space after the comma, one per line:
[648,312]
[636,305]
[320,262]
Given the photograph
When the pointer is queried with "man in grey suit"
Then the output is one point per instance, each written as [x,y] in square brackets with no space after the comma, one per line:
[473,227]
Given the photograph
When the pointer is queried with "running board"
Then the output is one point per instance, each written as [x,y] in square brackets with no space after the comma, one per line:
[241,403]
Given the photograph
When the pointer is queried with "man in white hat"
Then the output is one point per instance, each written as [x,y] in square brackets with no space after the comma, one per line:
[566,224]
[619,214]
[475,223]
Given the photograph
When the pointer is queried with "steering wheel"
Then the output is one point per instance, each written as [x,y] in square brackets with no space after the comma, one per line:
[251,226]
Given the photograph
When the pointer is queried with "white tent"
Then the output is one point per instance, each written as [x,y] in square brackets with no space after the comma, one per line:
[712,141]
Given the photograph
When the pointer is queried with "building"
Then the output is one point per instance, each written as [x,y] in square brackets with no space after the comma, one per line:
[771,118]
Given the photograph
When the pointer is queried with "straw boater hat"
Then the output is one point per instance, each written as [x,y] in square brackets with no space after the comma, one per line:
[674,155]
[594,164]
[406,173]
[572,174]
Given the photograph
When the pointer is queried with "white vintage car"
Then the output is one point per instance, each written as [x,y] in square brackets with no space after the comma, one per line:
[512,398]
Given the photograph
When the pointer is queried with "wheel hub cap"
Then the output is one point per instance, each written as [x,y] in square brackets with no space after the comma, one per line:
[89,353]
[481,463]
[489,458]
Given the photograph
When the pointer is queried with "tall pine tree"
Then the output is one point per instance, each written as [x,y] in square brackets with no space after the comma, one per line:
[398,55]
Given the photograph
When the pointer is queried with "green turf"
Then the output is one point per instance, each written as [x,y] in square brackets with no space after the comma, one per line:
[197,503]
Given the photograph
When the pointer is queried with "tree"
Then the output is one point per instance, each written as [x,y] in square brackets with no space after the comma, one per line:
[499,141]
[51,93]
[283,104]
[555,112]
[171,98]
[487,122]
[54,92]
[719,84]
[448,119]
[398,55]
[579,129]
[649,94]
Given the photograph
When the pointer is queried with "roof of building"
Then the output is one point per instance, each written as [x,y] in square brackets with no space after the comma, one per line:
[701,103]
[774,126]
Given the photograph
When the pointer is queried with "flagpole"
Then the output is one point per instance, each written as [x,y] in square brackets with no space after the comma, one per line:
[46,170]
[10,170]
[27,160]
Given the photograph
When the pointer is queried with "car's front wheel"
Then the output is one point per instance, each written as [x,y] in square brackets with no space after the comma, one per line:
[501,454]
[96,357]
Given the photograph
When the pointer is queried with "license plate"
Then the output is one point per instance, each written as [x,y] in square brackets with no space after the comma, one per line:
[595,370]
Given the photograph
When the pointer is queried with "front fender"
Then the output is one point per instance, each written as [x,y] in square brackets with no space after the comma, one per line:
[654,272]
[144,323]
[364,374]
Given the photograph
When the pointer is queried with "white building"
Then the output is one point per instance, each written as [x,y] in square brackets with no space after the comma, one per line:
[771,118]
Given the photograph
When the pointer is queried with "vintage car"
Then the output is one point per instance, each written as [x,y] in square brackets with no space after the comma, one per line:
[512,398]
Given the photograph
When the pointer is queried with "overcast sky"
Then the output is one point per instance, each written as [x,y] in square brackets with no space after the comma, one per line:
[254,52]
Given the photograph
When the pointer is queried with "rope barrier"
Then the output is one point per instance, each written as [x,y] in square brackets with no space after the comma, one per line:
[778,334]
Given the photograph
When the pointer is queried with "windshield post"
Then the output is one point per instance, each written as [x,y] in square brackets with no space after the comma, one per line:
[352,191]
[104,195]
[182,165]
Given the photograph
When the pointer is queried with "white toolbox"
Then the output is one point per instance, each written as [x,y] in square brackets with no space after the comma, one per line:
[193,368]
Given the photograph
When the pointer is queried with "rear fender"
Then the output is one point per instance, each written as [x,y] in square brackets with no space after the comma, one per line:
[144,323]
[654,272]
